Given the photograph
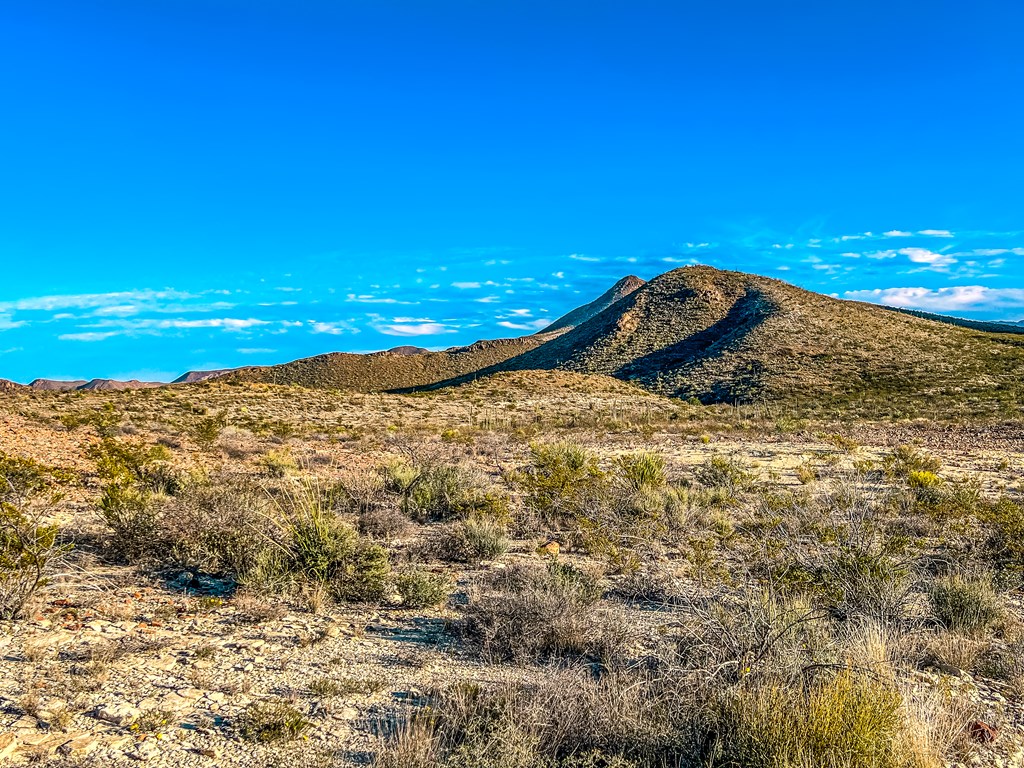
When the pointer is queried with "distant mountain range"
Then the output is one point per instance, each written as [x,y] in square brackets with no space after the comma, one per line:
[695,332]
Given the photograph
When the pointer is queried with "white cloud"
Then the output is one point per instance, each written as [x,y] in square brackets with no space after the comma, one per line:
[935,233]
[7,323]
[897,233]
[256,351]
[369,298]
[581,257]
[93,300]
[89,336]
[414,329]
[529,325]
[466,285]
[333,329]
[932,260]
[950,299]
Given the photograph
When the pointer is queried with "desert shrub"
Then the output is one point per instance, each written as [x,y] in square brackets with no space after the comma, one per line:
[753,631]
[528,613]
[727,472]
[837,546]
[439,492]
[383,522]
[567,719]
[966,604]
[906,459]
[278,463]
[219,526]
[849,721]
[561,482]
[29,550]
[642,471]
[268,722]
[1004,545]
[421,589]
[132,476]
[206,430]
[473,540]
[131,515]
[314,545]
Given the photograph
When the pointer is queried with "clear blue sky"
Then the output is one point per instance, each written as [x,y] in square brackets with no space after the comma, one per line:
[193,184]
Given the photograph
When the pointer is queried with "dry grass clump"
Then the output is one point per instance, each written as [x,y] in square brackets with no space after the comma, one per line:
[431,492]
[965,603]
[845,715]
[535,613]
[473,540]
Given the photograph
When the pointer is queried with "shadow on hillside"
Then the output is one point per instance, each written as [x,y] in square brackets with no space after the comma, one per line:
[743,317]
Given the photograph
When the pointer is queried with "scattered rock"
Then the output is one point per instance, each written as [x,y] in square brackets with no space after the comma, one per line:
[982,732]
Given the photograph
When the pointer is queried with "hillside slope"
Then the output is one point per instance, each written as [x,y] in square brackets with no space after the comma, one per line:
[726,337]
[389,371]
[580,315]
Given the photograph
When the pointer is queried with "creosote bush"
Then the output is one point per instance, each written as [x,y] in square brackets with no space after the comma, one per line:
[441,492]
[965,604]
[29,547]
[421,589]
[535,613]
[312,544]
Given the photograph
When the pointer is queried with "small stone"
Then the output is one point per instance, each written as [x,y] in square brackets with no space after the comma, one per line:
[118,714]
[982,732]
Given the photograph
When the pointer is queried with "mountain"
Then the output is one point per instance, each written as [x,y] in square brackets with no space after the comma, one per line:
[727,336]
[717,336]
[390,371]
[108,384]
[11,386]
[52,385]
[193,377]
[580,315]
[405,349]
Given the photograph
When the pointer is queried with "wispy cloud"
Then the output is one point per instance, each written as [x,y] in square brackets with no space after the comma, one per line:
[529,325]
[947,299]
[336,328]
[94,300]
[413,329]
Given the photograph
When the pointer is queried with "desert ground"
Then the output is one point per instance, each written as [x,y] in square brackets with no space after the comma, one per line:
[533,569]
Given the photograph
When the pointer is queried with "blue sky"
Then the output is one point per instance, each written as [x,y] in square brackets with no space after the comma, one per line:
[203,184]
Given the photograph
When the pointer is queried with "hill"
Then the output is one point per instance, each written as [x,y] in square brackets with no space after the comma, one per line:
[727,336]
[52,385]
[580,315]
[389,371]
[119,385]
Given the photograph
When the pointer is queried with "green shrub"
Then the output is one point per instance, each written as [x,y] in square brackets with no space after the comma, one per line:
[314,545]
[439,492]
[422,589]
[642,471]
[473,540]
[849,721]
[906,459]
[1004,546]
[725,472]
[278,463]
[29,548]
[28,552]
[965,604]
[268,722]
[563,480]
